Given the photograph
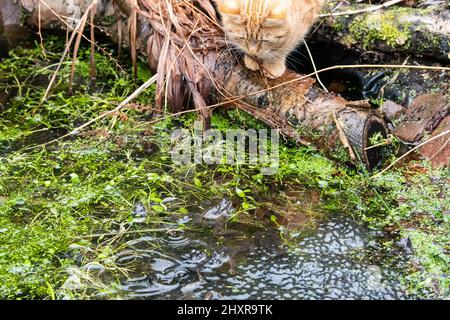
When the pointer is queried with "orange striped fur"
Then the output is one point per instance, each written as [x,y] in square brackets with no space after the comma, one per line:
[267,30]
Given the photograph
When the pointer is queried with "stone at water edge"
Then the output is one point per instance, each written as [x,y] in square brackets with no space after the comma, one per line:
[439,158]
[392,110]
[423,116]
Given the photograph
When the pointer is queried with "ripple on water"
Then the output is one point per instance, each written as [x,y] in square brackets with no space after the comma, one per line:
[323,266]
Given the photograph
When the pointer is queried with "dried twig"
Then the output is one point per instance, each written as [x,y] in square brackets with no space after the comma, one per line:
[63,57]
[132,29]
[41,39]
[62,17]
[364,10]
[440,149]
[66,51]
[76,47]
[381,144]
[446,132]
[101,235]
[123,104]
[314,66]
[93,68]
[343,138]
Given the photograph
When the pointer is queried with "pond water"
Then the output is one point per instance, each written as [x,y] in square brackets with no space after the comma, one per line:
[333,262]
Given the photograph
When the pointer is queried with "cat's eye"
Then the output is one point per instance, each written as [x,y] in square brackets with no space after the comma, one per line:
[274,23]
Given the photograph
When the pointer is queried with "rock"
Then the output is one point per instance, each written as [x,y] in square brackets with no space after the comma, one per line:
[392,110]
[438,151]
[222,210]
[406,246]
[9,14]
[423,116]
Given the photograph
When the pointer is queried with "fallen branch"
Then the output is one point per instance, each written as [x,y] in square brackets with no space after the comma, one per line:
[388,28]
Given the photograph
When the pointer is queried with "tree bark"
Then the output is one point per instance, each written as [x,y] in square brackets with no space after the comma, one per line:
[199,67]
[406,30]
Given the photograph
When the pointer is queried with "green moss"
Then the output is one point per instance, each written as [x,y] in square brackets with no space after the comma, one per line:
[341,154]
[432,256]
[338,24]
[381,26]
[417,206]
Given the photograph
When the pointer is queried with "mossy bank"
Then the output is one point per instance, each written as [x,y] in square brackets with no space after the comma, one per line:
[83,192]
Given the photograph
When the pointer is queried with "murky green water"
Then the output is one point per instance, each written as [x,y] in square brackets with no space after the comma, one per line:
[333,262]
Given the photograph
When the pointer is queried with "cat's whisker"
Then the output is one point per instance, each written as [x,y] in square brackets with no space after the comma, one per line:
[299,53]
[233,50]
[296,61]
[276,57]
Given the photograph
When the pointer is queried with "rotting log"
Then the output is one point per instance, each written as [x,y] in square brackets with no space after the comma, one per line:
[309,116]
[396,29]
[184,44]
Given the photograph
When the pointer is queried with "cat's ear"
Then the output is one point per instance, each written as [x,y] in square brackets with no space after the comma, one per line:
[230,6]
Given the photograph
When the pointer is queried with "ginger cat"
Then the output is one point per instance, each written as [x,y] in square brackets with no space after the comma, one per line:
[267,30]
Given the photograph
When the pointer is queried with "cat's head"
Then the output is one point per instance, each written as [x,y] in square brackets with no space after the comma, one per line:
[263,28]
[255,27]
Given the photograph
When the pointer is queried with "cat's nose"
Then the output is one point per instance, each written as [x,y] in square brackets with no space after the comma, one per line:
[253,49]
